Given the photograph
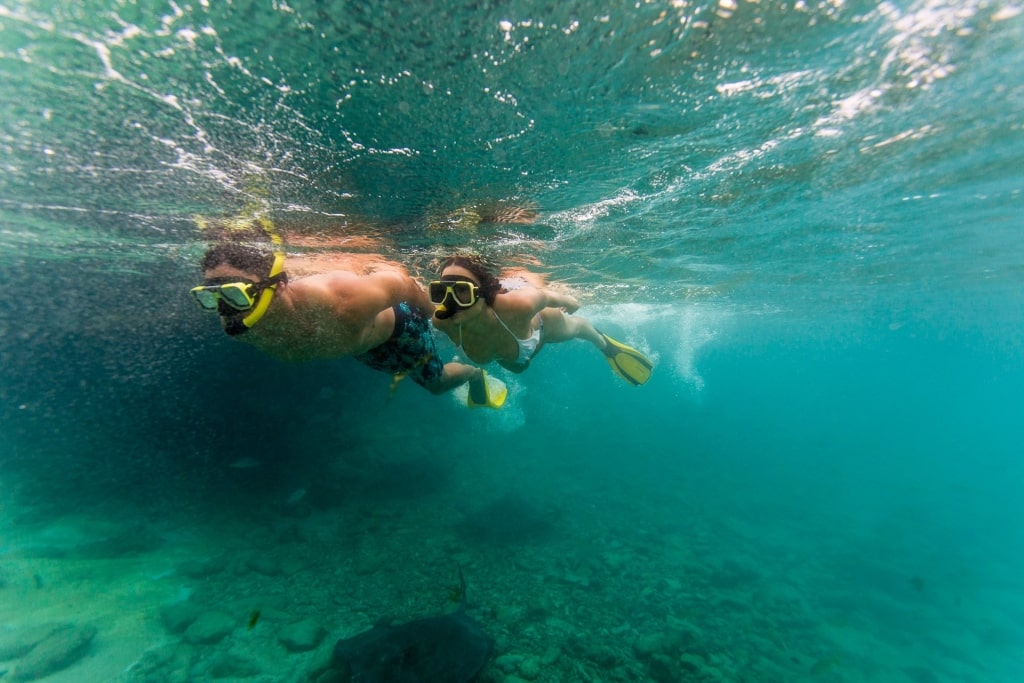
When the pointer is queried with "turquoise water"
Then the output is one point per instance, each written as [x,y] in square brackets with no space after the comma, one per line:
[809,214]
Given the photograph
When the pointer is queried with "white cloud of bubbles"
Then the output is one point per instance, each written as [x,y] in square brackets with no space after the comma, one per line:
[672,335]
[511,416]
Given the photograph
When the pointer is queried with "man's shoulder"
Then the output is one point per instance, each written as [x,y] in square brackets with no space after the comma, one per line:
[325,281]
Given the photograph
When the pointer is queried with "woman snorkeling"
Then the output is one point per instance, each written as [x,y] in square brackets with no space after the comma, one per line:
[510,320]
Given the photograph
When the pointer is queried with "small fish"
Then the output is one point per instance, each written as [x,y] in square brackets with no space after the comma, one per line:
[253,618]
[296,497]
[245,463]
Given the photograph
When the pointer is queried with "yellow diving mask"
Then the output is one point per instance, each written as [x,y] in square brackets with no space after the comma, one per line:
[451,295]
[462,292]
[238,294]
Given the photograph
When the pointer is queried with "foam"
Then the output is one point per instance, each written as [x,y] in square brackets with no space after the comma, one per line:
[688,328]
[510,416]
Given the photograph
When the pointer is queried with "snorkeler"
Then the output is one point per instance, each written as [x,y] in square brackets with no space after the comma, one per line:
[510,320]
[368,308]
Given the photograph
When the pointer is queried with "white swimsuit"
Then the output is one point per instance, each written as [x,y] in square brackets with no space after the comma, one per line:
[527,347]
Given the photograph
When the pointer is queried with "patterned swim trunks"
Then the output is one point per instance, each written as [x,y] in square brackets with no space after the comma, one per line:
[410,351]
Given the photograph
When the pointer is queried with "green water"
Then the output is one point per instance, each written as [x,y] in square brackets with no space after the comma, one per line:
[808,214]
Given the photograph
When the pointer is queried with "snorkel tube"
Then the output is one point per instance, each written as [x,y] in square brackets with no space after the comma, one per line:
[276,274]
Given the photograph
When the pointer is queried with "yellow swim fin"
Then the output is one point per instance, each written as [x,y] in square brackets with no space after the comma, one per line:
[490,393]
[627,362]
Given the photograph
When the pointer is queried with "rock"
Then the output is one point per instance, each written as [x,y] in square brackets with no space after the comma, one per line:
[615,561]
[293,565]
[200,569]
[63,647]
[369,563]
[301,636]
[572,579]
[291,533]
[178,616]
[687,637]
[673,585]
[317,665]
[661,668]
[264,564]
[650,644]
[232,665]
[209,628]
[673,641]
[602,654]
[17,642]
[732,574]
[506,614]
[134,540]
[167,663]
[691,663]
[551,655]
[508,663]
[529,668]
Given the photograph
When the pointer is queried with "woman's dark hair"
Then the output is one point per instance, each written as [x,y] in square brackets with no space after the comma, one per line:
[484,272]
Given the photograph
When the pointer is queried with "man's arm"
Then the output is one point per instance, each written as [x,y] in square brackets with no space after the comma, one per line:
[359,298]
[397,286]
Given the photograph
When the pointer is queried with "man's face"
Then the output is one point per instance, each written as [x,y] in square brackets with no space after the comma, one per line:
[230,318]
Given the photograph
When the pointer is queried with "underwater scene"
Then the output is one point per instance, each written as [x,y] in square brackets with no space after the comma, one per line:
[771,427]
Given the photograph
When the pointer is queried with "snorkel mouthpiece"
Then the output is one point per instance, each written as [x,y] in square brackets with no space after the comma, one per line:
[234,327]
[442,312]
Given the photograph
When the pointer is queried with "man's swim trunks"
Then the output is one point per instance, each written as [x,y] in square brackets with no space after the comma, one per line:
[410,351]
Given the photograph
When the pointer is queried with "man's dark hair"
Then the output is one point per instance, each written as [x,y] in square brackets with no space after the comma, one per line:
[247,257]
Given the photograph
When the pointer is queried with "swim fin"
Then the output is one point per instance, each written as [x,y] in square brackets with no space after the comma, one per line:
[490,393]
[627,362]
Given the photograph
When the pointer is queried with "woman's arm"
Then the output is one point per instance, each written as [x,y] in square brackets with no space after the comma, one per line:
[553,299]
[529,301]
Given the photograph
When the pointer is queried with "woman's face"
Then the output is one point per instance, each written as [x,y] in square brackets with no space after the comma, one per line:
[460,314]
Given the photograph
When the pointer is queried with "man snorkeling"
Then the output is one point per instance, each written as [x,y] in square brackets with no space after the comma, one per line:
[509,320]
[368,308]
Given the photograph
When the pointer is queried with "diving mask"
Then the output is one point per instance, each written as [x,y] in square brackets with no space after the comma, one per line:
[461,292]
[238,294]
[451,296]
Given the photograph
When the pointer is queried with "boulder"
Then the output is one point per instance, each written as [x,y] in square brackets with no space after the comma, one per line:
[209,628]
[301,636]
[178,616]
[60,649]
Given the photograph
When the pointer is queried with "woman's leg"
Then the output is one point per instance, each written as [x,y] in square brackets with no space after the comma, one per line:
[559,327]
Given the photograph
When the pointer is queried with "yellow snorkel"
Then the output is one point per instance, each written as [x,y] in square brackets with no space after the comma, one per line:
[278,268]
